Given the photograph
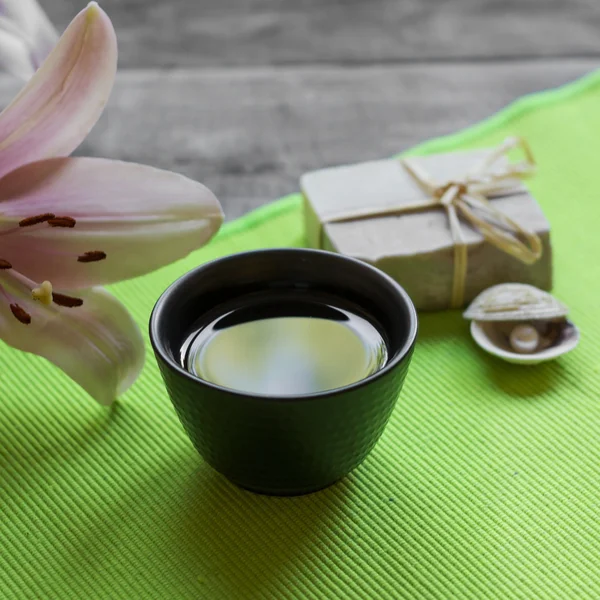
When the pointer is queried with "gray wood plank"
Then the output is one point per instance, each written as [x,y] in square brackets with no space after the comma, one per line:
[250,133]
[200,33]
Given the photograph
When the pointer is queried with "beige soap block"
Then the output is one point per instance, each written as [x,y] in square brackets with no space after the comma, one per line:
[418,249]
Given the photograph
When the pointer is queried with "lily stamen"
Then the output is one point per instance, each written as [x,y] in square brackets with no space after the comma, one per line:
[36,220]
[4,264]
[62,222]
[20,314]
[91,256]
[66,301]
[43,293]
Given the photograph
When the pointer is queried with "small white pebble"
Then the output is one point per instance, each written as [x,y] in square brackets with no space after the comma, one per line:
[524,339]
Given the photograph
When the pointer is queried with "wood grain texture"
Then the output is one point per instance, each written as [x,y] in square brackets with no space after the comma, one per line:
[204,33]
[250,133]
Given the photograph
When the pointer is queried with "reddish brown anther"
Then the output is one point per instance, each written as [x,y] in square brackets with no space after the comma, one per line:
[4,264]
[29,221]
[67,301]
[20,314]
[62,222]
[92,256]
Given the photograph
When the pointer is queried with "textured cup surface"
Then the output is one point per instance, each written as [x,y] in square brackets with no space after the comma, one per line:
[296,444]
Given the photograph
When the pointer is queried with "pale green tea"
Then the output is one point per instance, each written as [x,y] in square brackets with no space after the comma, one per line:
[286,355]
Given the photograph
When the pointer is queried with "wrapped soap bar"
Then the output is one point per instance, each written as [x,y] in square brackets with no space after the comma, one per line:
[445,226]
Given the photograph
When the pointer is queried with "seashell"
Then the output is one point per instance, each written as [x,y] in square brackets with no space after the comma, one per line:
[515,302]
[521,324]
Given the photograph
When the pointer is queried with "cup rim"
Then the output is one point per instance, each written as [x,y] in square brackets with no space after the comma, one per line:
[161,351]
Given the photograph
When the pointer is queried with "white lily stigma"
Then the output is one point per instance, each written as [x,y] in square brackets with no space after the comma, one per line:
[43,293]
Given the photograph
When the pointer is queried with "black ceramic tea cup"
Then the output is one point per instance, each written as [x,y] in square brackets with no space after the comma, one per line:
[292,444]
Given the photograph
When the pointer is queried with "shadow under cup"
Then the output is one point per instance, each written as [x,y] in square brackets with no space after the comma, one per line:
[294,444]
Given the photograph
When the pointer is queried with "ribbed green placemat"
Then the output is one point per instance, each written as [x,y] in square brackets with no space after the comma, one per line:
[486,484]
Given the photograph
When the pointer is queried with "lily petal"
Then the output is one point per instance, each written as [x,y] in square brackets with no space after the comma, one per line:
[140,217]
[36,35]
[97,344]
[56,110]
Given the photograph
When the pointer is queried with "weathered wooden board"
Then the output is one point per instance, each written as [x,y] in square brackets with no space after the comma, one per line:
[249,134]
[200,33]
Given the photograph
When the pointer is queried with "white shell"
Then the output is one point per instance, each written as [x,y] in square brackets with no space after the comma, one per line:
[515,302]
[521,324]
[488,337]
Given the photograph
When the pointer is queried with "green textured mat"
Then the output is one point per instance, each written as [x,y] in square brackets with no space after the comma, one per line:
[485,484]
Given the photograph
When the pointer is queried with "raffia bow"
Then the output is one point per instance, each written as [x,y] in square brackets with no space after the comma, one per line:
[468,197]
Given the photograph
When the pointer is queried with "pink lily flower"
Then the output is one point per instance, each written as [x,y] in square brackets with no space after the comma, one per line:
[26,37]
[68,225]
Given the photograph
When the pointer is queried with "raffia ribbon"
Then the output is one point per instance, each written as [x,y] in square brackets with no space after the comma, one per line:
[468,197]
